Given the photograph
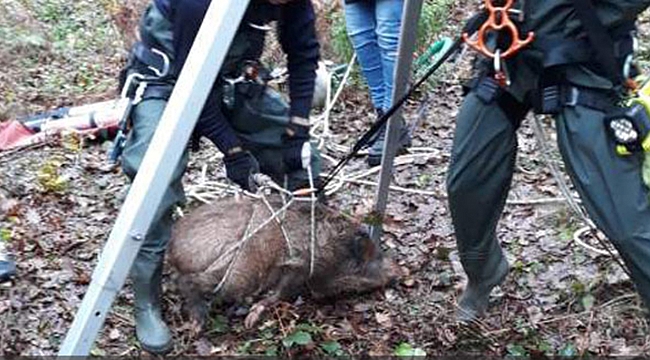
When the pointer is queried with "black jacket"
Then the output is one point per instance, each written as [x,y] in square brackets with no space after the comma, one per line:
[296,34]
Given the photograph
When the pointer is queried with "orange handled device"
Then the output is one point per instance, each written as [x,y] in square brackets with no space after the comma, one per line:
[498,21]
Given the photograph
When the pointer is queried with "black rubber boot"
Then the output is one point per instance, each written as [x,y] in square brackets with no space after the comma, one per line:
[475,299]
[151,330]
[7,265]
[377,149]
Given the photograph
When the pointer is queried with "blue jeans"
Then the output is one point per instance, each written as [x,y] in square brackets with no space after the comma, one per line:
[374,29]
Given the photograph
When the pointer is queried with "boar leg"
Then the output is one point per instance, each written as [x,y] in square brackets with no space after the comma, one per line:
[349,284]
[292,278]
[196,304]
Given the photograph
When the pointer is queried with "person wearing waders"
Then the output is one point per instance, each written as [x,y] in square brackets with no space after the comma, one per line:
[248,122]
[562,72]
[373,27]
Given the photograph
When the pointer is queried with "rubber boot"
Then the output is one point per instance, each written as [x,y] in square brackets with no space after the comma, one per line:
[150,328]
[475,299]
[376,151]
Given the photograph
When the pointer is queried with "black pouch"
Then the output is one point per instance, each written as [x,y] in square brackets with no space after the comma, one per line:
[629,127]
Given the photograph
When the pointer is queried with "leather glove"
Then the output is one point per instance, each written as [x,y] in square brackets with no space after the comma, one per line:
[297,151]
[240,167]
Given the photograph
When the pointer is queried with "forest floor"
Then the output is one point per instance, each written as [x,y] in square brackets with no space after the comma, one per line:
[59,203]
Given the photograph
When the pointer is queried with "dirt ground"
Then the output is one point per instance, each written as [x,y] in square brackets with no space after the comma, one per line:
[561,298]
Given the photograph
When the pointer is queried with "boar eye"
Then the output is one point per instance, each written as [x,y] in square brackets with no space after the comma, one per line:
[363,231]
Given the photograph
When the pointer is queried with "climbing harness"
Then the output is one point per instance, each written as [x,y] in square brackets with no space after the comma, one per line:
[470,27]
[120,137]
[499,21]
[148,80]
[628,124]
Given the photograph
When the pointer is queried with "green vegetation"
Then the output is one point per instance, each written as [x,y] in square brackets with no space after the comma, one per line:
[407,350]
[57,52]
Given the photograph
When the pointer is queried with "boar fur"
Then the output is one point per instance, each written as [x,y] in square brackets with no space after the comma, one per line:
[346,259]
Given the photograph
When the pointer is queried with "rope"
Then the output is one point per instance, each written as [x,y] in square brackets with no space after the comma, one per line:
[564,188]
[281,224]
[247,236]
[324,118]
[471,26]
[265,182]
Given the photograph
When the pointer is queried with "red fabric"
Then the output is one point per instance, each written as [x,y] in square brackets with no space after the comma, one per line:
[88,121]
[13,134]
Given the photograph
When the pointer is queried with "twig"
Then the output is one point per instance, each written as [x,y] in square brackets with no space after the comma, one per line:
[585,336]
[392,187]
[570,316]
[541,201]
[444,196]
[12,152]
[618,299]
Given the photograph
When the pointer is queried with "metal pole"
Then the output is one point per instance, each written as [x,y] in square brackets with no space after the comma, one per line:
[407,42]
[167,146]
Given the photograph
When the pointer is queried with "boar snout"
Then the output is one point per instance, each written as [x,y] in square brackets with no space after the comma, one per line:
[363,269]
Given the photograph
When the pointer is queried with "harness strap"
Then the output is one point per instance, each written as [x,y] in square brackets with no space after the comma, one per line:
[595,99]
[155,60]
[487,89]
[158,91]
[556,97]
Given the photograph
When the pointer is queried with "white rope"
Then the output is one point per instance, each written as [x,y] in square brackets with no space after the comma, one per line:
[281,224]
[324,118]
[577,237]
[564,188]
[247,236]
[312,245]
[239,246]
[266,182]
[334,186]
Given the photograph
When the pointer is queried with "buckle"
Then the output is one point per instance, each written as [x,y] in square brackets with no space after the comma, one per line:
[130,80]
[165,60]
[260,27]
[574,96]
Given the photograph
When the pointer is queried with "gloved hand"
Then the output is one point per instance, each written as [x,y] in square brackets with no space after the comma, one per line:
[240,166]
[297,150]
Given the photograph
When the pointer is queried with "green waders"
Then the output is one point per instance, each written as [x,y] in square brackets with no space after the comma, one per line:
[482,164]
[146,272]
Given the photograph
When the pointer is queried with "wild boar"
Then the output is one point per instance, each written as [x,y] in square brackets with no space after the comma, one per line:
[204,248]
